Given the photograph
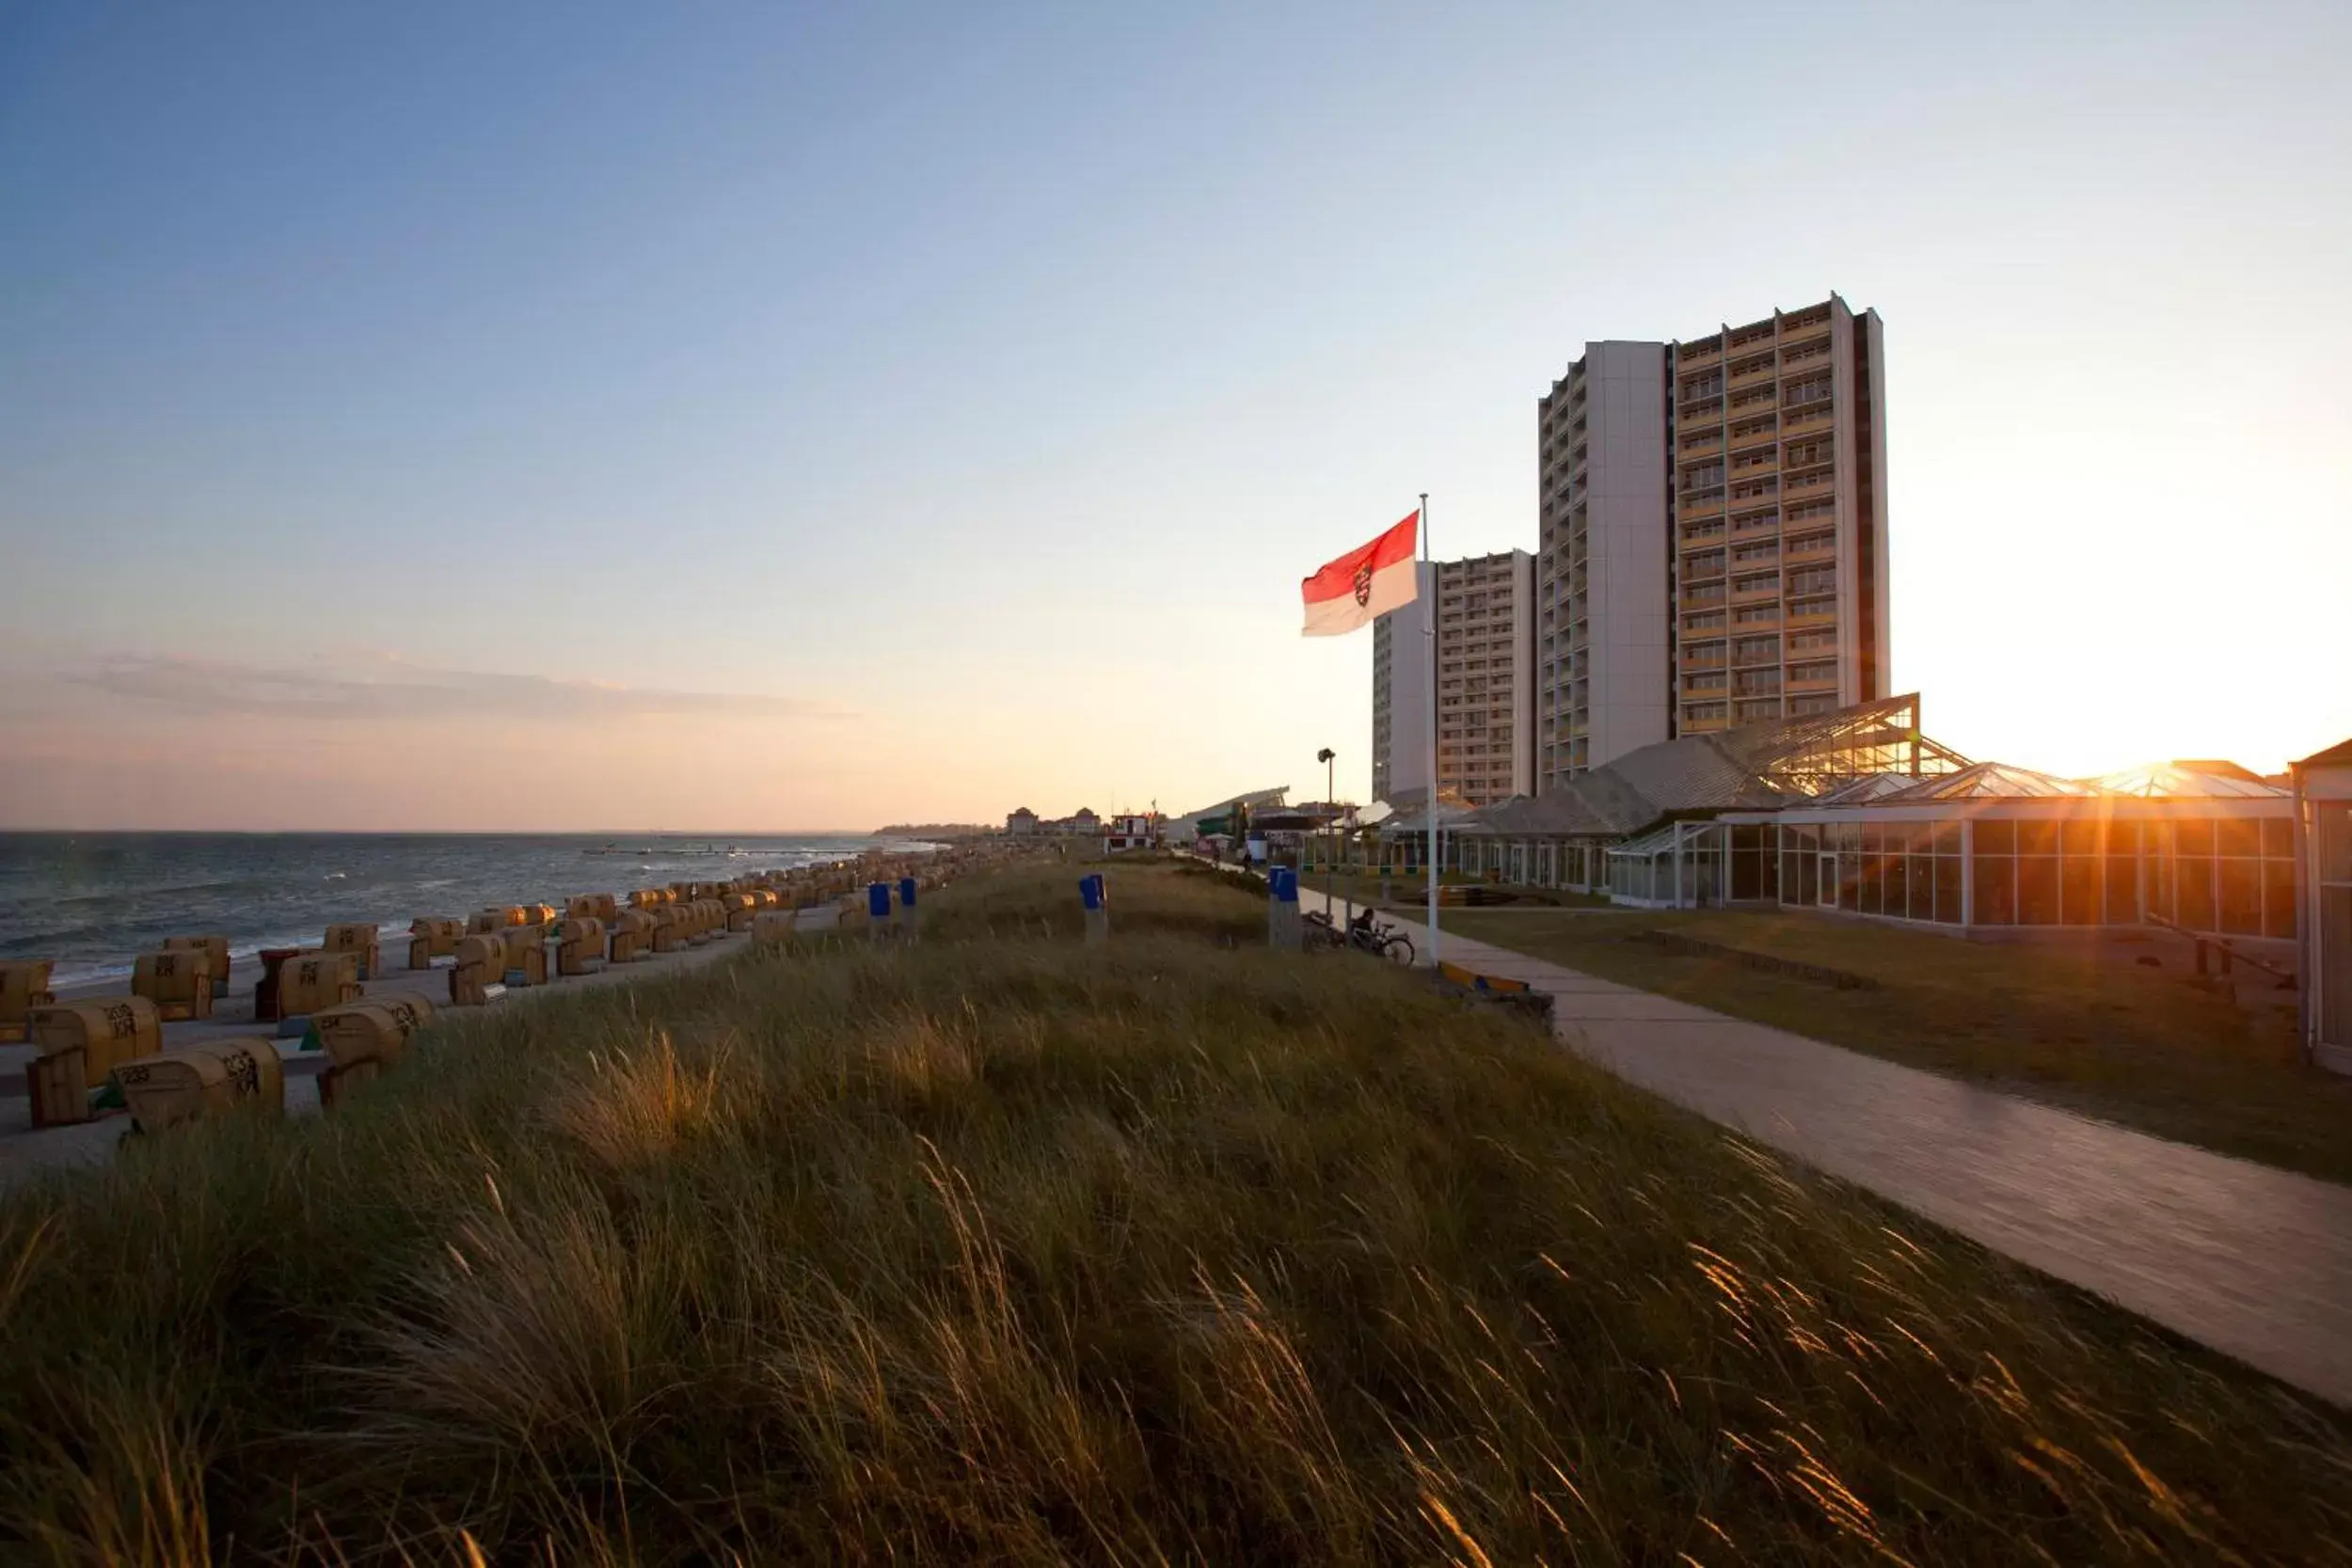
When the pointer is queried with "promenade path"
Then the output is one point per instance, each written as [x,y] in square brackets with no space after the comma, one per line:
[2254,1262]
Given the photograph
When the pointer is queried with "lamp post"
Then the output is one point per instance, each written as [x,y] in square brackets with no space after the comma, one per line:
[1330,888]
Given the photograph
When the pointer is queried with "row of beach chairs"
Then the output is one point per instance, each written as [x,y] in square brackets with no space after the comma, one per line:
[85,1048]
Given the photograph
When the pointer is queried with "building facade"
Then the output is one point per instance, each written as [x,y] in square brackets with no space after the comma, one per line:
[1485,683]
[1712,535]
[1602,643]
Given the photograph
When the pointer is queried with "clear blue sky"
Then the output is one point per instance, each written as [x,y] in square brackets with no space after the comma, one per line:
[750,416]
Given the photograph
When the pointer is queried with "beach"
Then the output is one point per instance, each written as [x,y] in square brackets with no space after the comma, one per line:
[25,1150]
[91,902]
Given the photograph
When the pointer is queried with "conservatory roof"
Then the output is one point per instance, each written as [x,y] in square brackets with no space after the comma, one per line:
[2169,780]
[1987,781]
[1754,766]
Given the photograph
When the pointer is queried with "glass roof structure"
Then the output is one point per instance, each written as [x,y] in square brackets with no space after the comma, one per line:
[1987,781]
[2186,781]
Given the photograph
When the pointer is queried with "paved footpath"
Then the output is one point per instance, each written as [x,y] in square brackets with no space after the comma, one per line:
[2253,1262]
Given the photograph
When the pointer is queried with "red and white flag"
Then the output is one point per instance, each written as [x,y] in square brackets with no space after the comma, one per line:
[1363,583]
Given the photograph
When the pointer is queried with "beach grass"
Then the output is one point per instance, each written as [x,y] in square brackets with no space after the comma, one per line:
[2147,1049]
[1007,1250]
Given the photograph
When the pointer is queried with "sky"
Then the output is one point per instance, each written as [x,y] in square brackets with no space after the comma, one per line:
[765,417]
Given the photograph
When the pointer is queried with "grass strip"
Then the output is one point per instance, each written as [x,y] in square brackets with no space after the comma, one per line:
[1003,1248]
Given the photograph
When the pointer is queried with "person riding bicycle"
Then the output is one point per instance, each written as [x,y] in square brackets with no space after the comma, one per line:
[1362,926]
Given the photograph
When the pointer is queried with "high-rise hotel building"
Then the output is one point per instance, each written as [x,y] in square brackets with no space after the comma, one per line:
[1486,685]
[1712,535]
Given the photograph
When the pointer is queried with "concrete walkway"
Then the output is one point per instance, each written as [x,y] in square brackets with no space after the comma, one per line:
[2252,1261]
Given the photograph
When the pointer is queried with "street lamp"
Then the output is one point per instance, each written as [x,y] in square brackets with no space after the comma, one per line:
[1331,801]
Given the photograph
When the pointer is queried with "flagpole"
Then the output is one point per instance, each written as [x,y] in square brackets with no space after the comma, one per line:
[1429,612]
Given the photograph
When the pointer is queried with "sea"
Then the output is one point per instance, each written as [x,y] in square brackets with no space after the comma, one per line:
[93,902]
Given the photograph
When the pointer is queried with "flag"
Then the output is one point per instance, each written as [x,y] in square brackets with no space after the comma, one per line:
[1363,583]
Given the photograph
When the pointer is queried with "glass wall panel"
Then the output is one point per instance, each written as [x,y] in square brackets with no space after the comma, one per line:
[2080,885]
[1873,883]
[2037,838]
[2241,896]
[2192,891]
[2237,835]
[1997,890]
[2123,870]
[2278,899]
[1920,873]
[2278,837]
[1948,889]
[2192,836]
[2038,890]
[1995,837]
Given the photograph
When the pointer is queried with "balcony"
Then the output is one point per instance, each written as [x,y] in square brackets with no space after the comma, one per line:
[1749,591]
[1754,372]
[1707,411]
[1708,438]
[1692,510]
[1804,355]
[1699,533]
[1812,613]
[1815,547]
[1819,481]
[1808,678]
[1699,597]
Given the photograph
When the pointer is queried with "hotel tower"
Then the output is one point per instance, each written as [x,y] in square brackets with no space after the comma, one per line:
[1711,534]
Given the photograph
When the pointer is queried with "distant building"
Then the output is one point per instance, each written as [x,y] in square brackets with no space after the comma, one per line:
[1486,690]
[1082,822]
[1020,823]
[1216,820]
[1130,831]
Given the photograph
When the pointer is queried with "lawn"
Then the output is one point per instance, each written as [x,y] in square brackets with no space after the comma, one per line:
[1004,1248]
[2146,1049]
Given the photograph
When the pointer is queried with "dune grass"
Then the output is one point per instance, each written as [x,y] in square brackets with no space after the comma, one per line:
[2144,1048]
[1003,1249]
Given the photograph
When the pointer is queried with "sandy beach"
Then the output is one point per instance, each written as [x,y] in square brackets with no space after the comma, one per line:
[24,1149]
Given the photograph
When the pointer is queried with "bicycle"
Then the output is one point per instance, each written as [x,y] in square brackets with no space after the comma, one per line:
[1380,942]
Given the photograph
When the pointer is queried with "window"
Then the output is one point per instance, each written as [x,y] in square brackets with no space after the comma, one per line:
[1812,388]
